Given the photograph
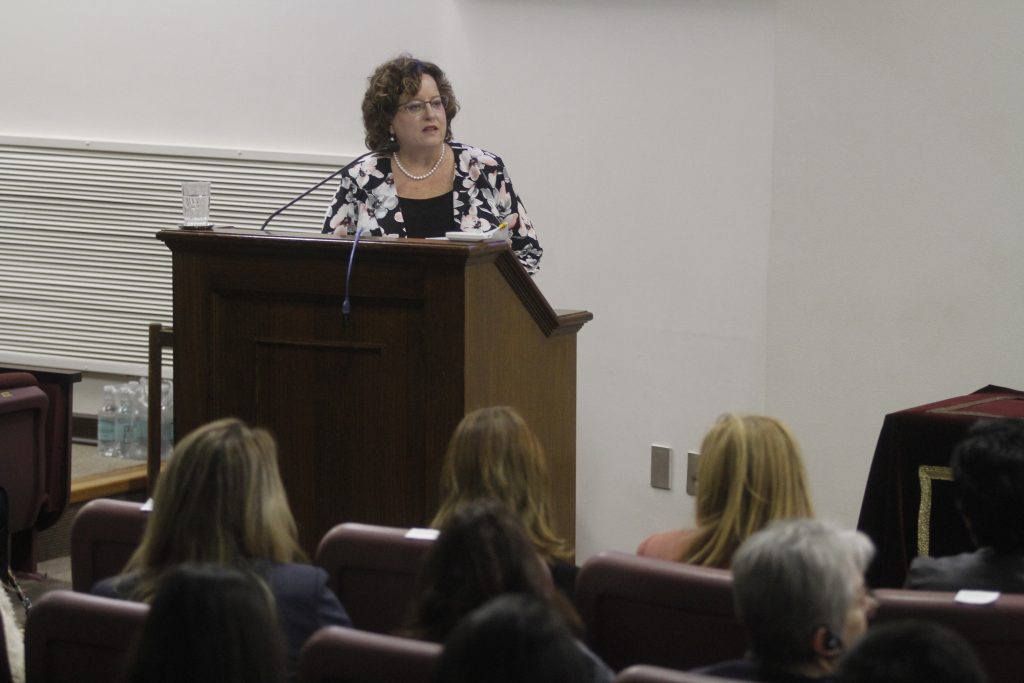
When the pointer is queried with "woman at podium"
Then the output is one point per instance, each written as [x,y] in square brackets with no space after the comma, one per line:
[416,181]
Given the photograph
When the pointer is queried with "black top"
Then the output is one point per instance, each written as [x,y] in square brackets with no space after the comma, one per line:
[431,217]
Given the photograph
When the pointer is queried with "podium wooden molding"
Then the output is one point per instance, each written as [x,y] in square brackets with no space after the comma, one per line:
[363,410]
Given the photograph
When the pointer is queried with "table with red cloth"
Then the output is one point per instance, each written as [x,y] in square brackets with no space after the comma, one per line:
[908,507]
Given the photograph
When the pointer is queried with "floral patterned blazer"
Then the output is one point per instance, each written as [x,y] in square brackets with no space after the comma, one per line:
[483,199]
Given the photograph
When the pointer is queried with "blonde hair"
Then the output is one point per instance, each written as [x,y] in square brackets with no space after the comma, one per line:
[220,500]
[750,473]
[494,454]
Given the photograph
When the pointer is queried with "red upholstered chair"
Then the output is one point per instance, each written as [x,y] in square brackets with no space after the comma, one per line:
[23,411]
[995,631]
[76,638]
[344,655]
[58,386]
[642,673]
[372,570]
[103,536]
[638,610]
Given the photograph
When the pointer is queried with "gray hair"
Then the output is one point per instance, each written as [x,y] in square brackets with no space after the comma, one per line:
[792,578]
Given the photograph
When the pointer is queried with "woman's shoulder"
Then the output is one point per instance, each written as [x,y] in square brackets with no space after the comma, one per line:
[667,545]
[293,575]
[294,569]
[369,163]
[301,590]
[465,153]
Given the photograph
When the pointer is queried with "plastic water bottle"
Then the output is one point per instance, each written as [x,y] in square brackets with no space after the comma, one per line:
[140,420]
[166,418]
[106,419]
[126,413]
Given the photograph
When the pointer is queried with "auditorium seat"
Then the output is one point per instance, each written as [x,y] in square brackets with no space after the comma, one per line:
[58,387]
[76,638]
[372,570]
[639,610]
[642,673]
[995,631]
[344,655]
[23,411]
[103,536]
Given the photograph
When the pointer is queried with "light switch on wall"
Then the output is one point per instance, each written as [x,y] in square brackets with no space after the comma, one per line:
[692,460]
[661,467]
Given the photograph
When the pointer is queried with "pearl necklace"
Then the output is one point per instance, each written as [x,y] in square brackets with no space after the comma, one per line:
[425,175]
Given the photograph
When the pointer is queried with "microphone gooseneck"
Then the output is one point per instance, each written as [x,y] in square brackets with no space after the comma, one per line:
[315,187]
[346,306]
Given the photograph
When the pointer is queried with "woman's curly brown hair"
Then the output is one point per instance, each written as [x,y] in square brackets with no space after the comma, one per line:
[391,80]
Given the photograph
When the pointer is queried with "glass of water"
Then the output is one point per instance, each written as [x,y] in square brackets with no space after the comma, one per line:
[195,204]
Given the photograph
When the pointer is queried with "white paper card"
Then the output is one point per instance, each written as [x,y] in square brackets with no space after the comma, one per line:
[976,597]
[422,534]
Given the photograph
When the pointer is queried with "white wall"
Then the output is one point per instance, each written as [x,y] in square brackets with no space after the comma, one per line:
[897,231]
[874,274]
[638,133]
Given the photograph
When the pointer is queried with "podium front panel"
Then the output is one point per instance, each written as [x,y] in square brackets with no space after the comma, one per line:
[362,411]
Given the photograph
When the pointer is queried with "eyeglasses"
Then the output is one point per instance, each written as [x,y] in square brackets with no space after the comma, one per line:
[417,107]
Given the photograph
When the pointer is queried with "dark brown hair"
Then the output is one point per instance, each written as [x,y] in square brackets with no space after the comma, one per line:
[482,552]
[391,80]
[209,624]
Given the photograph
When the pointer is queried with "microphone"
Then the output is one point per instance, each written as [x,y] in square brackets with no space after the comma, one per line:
[274,215]
[346,306]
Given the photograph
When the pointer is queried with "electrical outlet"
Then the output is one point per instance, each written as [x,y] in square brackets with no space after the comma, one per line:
[661,467]
[692,460]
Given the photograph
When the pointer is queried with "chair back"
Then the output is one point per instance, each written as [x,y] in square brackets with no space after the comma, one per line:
[23,410]
[344,655]
[640,610]
[53,466]
[372,570]
[104,535]
[77,638]
[995,631]
[642,673]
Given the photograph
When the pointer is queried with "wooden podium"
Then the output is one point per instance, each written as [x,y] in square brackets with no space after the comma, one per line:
[363,411]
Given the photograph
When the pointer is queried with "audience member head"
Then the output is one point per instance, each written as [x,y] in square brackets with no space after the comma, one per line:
[209,624]
[750,473]
[513,639]
[219,500]
[910,652]
[385,87]
[494,454]
[800,594]
[988,480]
[481,553]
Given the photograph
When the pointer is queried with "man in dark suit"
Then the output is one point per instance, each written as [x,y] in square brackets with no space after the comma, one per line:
[988,482]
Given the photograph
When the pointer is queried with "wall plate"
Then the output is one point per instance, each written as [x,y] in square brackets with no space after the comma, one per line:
[661,467]
[692,460]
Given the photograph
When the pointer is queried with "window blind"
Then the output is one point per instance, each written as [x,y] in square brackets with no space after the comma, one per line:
[81,272]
